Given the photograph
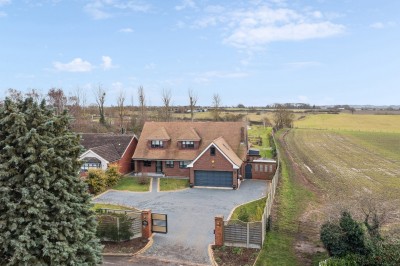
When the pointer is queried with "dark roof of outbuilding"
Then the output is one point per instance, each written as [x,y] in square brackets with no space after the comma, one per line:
[111,147]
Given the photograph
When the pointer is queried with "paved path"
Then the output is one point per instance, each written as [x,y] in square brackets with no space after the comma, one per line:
[191,215]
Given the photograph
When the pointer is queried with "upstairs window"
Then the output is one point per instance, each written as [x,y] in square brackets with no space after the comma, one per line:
[212,151]
[187,144]
[157,144]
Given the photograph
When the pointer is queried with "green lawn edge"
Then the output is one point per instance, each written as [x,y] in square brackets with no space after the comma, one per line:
[171,184]
[131,183]
[255,209]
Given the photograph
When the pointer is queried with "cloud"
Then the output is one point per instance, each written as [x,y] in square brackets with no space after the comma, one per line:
[186,4]
[126,30]
[107,62]
[103,9]
[254,27]
[382,25]
[150,66]
[5,2]
[76,65]
[3,14]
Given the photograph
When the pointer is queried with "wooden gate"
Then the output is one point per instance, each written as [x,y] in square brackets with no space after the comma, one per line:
[159,223]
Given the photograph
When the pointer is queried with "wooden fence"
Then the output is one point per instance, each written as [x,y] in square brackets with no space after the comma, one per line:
[252,234]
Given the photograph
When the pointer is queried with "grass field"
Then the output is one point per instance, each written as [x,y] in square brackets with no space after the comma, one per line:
[132,184]
[291,201]
[254,209]
[169,184]
[263,132]
[356,122]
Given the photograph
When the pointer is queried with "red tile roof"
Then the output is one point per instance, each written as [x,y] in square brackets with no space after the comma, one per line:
[177,131]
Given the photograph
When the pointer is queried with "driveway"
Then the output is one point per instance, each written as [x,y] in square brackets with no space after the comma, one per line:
[191,215]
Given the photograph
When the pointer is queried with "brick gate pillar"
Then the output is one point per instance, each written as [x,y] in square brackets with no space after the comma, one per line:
[146,224]
[219,230]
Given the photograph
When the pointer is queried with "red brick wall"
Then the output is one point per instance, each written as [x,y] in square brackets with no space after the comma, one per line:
[176,171]
[124,163]
[262,174]
[146,169]
[213,163]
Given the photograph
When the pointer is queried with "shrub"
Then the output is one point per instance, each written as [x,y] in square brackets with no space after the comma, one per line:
[97,181]
[243,215]
[237,250]
[143,180]
[113,175]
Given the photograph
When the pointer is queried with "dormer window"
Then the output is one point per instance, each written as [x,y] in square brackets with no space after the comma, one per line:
[157,144]
[187,144]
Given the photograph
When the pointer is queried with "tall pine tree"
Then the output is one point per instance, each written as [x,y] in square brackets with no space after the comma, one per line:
[45,216]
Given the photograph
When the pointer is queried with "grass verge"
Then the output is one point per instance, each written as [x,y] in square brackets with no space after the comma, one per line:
[97,206]
[254,210]
[136,183]
[168,184]
[278,248]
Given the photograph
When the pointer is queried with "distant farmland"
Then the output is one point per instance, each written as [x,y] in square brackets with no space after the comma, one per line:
[344,170]
[356,122]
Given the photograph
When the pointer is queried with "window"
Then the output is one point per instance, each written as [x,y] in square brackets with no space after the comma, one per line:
[266,168]
[183,164]
[86,166]
[256,167]
[146,163]
[157,144]
[212,151]
[169,164]
[270,168]
[187,144]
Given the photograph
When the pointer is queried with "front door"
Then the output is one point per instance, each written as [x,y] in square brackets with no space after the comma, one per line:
[248,171]
[159,167]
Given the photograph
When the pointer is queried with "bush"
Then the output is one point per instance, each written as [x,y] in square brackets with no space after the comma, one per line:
[243,215]
[113,175]
[97,181]
[143,180]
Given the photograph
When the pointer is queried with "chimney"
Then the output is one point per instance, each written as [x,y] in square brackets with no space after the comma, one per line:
[242,139]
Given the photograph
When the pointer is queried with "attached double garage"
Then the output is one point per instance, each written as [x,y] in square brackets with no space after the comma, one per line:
[213,178]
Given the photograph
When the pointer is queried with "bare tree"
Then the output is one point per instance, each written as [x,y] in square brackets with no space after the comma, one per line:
[57,99]
[14,95]
[166,99]
[216,105]
[192,103]
[100,96]
[121,110]
[142,105]
[283,117]
[35,95]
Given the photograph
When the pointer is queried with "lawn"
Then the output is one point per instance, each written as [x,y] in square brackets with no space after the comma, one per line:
[254,209]
[355,122]
[264,133]
[130,183]
[97,206]
[168,184]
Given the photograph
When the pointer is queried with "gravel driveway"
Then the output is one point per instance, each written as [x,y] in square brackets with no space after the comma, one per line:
[191,215]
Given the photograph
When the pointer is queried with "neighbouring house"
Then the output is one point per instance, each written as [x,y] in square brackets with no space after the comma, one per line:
[212,154]
[102,150]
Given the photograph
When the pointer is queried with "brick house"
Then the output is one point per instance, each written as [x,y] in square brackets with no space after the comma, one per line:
[212,154]
[102,150]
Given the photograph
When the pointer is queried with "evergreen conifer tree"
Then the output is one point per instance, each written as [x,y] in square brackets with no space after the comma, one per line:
[45,216]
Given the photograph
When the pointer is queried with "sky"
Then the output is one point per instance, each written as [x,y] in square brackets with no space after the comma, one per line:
[255,53]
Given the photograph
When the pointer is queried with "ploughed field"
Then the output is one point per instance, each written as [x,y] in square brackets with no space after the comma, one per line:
[347,168]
